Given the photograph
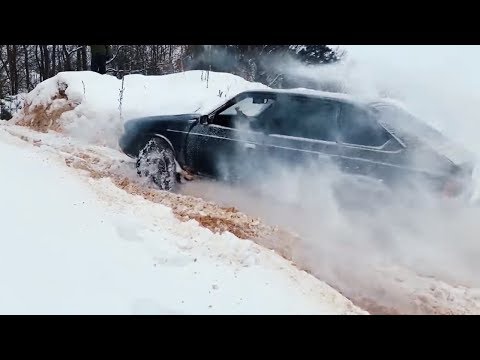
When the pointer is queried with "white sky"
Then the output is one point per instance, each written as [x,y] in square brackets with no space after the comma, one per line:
[430,58]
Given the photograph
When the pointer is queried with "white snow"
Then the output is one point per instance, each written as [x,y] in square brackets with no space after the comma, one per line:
[74,245]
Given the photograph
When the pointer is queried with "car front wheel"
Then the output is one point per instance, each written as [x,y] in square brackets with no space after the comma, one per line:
[156,161]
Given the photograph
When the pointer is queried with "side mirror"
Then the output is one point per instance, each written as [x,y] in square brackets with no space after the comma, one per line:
[204,119]
[259,100]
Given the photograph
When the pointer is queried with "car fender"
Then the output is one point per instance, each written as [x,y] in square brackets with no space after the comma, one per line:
[167,141]
[178,167]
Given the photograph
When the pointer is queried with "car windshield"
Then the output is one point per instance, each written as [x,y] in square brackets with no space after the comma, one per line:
[250,106]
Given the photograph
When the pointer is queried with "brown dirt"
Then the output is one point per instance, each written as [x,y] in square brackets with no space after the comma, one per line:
[209,215]
[185,208]
[375,308]
[43,118]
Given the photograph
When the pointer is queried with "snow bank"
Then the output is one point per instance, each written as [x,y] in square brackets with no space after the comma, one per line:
[68,247]
[97,115]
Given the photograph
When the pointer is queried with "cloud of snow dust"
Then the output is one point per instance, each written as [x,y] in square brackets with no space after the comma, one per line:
[350,227]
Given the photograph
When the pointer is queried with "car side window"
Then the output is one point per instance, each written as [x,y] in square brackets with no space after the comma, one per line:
[244,113]
[247,106]
[359,127]
[305,118]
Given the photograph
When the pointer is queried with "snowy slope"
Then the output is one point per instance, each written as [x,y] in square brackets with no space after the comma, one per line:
[72,244]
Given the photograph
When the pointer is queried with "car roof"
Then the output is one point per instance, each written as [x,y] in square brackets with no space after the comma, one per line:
[317,94]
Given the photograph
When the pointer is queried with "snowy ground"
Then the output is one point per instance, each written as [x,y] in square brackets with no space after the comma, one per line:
[72,244]
[124,247]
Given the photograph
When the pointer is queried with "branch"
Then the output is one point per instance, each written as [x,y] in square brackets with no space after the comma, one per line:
[126,71]
[113,58]
[76,49]
[263,48]
[120,99]
[273,81]
[4,66]
[1,59]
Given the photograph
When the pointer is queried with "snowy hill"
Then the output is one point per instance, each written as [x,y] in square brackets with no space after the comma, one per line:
[79,236]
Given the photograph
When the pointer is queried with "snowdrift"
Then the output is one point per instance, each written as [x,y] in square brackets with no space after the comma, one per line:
[93,107]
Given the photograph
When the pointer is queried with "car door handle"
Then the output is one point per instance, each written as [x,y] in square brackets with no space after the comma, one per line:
[250,146]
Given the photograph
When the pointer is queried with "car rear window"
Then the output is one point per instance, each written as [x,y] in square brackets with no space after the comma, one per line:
[358,126]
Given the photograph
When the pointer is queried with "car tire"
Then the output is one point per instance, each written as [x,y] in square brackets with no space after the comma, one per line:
[156,161]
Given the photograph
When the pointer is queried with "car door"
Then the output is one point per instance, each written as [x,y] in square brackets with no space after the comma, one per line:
[366,148]
[228,147]
[302,133]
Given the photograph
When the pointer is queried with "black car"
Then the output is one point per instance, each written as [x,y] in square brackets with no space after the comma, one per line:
[295,128]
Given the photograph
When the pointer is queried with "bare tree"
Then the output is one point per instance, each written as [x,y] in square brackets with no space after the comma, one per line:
[27,68]
[66,58]
[12,68]
[84,58]
[45,53]
[79,65]
[53,69]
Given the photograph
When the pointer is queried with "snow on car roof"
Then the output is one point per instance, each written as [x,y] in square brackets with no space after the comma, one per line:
[316,94]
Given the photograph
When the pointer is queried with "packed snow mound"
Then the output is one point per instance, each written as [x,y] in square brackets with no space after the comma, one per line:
[93,107]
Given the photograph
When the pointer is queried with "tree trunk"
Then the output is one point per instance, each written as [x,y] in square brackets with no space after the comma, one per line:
[84,59]
[46,61]
[79,60]
[68,62]
[39,62]
[43,64]
[27,69]
[54,68]
[61,63]
[12,68]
